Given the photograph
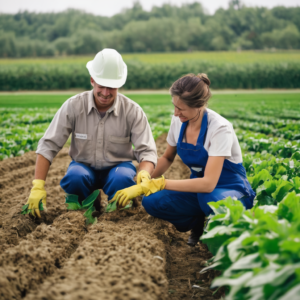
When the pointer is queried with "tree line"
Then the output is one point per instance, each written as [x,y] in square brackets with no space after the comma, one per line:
[163,29]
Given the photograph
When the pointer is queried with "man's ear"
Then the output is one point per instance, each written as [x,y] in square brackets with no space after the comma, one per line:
[92,82]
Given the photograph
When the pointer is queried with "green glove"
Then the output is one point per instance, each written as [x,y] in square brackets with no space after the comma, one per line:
[37,197]
[143,176]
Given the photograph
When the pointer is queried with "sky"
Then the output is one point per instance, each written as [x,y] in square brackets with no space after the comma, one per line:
[111,7]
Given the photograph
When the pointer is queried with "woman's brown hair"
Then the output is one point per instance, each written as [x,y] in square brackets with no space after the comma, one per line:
[192,89]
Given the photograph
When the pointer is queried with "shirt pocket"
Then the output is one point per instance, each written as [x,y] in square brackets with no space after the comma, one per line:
[118,149]
[83,143]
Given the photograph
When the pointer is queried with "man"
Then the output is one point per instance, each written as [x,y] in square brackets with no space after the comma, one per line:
[104,125]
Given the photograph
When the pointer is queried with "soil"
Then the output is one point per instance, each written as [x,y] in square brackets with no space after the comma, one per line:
[126,255]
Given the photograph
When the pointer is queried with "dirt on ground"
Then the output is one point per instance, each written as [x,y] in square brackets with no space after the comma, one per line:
[126,255]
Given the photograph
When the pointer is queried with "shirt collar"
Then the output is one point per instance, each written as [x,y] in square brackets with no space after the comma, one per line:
[115,107]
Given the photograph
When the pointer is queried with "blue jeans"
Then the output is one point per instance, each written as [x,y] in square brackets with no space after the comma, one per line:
[82,180]
[184,209]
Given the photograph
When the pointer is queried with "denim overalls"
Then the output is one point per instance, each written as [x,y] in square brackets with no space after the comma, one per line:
[182,208]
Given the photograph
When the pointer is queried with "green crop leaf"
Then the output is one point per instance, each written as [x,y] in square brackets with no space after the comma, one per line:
[90,199]
[282,190]
[296,183]
[239,281]
[89,218]
[73,206]
[289,207]
[296,156]
[72,202]
[111,207]
[26,211]
[292,294]
[258,179]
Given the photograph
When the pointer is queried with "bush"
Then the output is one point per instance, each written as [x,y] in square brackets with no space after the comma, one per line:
[148,76]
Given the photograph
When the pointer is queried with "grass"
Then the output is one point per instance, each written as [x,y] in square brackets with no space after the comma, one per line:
[218,100]
[217,57]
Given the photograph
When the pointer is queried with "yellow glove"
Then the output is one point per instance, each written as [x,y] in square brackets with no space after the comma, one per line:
[145,188]
[37,194]
[143,176]
[154,185]
[125,195]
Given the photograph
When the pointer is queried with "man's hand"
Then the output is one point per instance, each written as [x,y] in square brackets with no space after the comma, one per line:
[143,176]
[123,196]
[37,195]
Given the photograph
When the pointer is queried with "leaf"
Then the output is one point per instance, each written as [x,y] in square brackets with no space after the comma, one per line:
[24,209]
[72,202]
[272,276]
[296,155]
[282,190]
[73,206]
[111,207]
[289,207]
[233,248]
[261,177]
[292,294]
[249,261]
[90,199]
[89,218]
[221,281]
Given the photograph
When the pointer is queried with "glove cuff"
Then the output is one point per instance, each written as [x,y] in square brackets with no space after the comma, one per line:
[38,183]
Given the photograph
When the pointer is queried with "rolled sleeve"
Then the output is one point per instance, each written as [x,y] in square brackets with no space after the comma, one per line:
[57,133]
[142,139]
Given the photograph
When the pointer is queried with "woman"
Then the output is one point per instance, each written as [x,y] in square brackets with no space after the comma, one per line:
[207,144]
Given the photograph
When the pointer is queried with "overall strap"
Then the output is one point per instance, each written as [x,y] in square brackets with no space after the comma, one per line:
[182,130]
[203,129]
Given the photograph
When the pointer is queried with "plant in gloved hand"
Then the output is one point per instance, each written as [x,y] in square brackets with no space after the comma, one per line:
[72,203]
[36,200]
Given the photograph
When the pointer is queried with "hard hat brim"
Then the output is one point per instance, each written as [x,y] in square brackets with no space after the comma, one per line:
[112,83]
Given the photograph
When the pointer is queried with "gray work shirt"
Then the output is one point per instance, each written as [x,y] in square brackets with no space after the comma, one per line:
[100,142]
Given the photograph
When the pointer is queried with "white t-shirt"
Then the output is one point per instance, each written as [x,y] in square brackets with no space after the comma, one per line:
[221,139]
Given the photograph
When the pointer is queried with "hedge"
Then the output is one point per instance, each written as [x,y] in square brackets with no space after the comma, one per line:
[149,76]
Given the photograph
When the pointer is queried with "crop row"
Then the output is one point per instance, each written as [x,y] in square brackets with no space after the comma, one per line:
[290,130]
[22,128]
[257,250]
[152,76]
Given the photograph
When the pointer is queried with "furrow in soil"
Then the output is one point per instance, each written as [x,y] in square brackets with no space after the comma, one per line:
[16,175]
[24,267]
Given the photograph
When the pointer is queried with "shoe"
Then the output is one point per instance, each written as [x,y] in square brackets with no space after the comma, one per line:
[196,232]
[98,207]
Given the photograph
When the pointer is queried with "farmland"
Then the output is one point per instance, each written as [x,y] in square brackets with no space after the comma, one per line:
[216,57]
[256,251]
[236,70]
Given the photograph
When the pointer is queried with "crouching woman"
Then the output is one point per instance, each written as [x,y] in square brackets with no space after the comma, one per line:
[207,144]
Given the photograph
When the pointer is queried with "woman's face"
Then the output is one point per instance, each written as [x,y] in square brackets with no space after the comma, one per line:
[183,111]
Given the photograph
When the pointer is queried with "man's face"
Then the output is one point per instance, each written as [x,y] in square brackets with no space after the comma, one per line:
[104,96]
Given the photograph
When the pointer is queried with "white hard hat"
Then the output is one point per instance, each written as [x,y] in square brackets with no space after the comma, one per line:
[108,68]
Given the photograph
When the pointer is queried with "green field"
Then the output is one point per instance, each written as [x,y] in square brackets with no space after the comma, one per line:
[216,57]
[262,242]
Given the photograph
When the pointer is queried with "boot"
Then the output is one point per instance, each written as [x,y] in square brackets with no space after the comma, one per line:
[196,232]
[98,207]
